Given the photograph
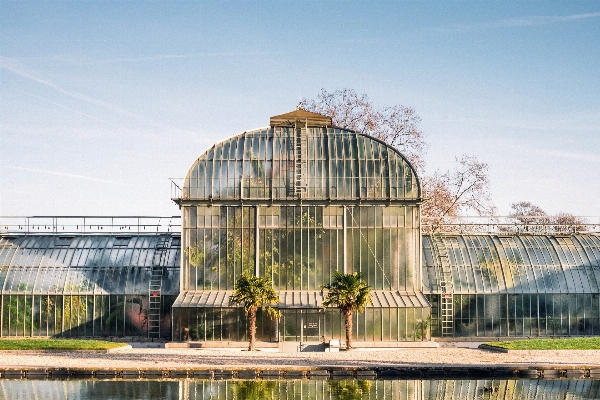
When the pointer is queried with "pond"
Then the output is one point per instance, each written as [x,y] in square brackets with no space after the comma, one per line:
[197,389]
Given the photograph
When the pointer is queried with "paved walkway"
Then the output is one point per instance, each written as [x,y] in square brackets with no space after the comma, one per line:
[144,358]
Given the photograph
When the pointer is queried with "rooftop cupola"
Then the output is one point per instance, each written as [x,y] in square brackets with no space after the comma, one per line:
[301,117]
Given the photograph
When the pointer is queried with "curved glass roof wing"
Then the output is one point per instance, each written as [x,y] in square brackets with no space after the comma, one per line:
[287,163]
[486,264]
[86,264]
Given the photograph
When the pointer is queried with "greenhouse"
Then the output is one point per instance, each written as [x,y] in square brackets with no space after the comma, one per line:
[297,201]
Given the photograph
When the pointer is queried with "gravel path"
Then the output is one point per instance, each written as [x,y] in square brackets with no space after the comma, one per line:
[203,358]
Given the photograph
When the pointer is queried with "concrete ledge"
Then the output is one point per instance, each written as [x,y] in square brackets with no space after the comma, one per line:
[274,345]
[329,372]
[117,349]
[217,345]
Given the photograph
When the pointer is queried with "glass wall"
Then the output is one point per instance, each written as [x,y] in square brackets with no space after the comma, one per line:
[85,285]
[375,324]
[570,314]
[221,324]
[300,247]
[219,244]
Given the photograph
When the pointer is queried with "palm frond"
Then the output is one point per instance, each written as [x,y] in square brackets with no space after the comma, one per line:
[347,292]
[254,292]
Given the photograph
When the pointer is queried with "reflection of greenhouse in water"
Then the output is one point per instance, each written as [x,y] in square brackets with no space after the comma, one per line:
[190,389]
[295,201]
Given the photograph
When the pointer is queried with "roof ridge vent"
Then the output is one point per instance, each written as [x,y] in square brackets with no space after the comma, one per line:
[301,117]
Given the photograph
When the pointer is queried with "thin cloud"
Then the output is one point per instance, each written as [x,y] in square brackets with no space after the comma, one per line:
[587,157]
[544,20]
[12,66]
[584,121]
[161,57]
[158,57]
[532,20]
[65,174]
[73,110]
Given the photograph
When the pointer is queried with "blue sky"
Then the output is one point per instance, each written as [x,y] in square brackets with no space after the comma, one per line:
[102,102]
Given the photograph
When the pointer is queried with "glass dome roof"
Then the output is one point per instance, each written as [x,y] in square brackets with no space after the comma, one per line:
[306,162]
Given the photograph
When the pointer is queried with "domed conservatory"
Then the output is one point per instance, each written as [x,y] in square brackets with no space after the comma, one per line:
[296,202]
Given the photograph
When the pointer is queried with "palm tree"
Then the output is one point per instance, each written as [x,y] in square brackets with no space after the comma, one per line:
[349,293]
[253,292]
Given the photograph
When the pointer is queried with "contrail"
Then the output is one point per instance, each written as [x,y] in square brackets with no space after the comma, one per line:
[72,109]
[518,22]
[45,171]
[9,65]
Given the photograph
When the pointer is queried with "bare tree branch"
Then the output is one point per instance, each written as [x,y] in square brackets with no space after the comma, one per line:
[448,195]
[398,125]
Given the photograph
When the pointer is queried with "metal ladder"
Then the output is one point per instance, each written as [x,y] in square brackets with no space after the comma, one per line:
[300,162]
[155,286]
[444,278]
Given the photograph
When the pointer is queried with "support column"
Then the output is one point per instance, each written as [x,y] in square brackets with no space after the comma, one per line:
[256,242]
[345,234]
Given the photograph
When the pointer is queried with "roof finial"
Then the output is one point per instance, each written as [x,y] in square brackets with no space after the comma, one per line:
[300,105]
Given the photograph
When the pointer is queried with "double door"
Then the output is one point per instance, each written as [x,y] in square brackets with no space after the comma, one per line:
[302,325]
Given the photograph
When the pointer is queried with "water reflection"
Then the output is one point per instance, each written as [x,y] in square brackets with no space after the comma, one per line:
[350,389]
[193,389]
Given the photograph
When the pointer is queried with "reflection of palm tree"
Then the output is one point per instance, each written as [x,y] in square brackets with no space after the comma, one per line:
[255,390]
[349,389]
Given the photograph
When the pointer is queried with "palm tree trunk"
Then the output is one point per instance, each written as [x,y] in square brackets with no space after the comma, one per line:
[348,323]
[252,328]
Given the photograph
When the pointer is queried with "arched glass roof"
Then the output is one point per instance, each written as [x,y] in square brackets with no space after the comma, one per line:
[86,264]
[485,264]
[287,163]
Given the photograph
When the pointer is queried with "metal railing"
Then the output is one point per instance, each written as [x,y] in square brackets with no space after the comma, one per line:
[147,224]
[176,185]
[546,224]
[90,224]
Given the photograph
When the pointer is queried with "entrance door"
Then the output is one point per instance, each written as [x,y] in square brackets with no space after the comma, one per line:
[313,325]
[302,325]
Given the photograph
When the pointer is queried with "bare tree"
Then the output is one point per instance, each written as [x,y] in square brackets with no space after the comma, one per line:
[397,125]
[568,223]
[528,217]
[449,194]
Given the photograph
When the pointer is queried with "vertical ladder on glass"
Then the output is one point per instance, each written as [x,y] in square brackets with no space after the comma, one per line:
[155,286]
[444,278]
[300,161]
